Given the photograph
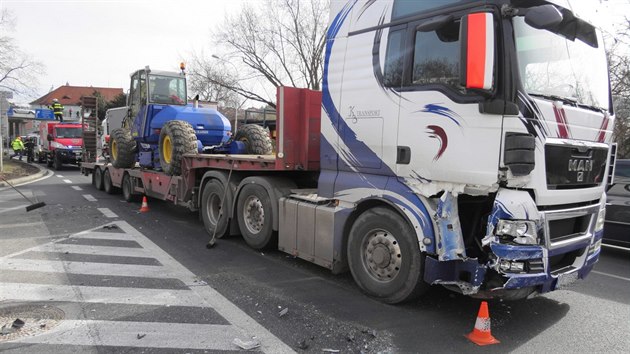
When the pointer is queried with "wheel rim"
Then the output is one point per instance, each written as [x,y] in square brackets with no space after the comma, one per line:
[167,149]
[381,255]
[114,150]
[214,208]
[253,214]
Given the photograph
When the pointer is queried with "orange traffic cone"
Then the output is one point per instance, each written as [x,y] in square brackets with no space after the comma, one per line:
[481,333]
[145,207]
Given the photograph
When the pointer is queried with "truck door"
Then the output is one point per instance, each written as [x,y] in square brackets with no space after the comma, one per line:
[449,140]
[137,102]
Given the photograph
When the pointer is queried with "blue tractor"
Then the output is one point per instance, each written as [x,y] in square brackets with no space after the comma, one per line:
[161,126]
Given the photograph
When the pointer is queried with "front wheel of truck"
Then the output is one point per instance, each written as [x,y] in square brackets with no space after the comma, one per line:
[58,162]
[384,256]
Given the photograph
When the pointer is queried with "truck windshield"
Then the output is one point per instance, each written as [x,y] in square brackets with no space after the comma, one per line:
[554,67]
[68,132]
[167,90]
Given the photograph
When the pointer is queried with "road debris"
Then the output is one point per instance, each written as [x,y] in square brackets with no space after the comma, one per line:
[140,336]
[302,344]
[283,312]
[331,350]
[18,323]
[246,345]
[6,329]
[110,227]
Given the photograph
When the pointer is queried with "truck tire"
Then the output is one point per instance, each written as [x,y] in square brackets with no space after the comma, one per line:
[107,183]
[256,139]
[384,257]
[123,148]
[58,162]
[127,190]
[254,217]
[211,205]
[97,179]
[176,139]
[49,161]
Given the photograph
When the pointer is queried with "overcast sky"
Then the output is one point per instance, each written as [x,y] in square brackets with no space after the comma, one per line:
[100,42]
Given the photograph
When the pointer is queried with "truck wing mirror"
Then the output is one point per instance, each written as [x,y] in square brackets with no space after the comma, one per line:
[49,137]
[477,40]
[543,17]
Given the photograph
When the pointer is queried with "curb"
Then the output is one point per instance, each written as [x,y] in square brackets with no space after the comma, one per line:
[42,172]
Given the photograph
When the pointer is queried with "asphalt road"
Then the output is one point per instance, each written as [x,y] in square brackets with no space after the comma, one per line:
[150,285]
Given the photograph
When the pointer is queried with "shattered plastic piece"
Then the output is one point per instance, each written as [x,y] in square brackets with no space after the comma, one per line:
[18,323]
[302,344]
[283,312]
[6,329]
[331,350]
[246,345]
[109,227]
[140,336]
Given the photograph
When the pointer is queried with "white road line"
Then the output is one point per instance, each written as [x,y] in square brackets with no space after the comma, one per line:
[124,333]
[610,275]
[107,295]
[616,247]
[77,188]
[89,197]
[60,176]
[108,213]
[86,249]
[67,181]
[26,224]
[87,268]
[5,210]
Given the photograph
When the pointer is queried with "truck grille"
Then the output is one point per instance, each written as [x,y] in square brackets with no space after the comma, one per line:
[563,229]
[572,167]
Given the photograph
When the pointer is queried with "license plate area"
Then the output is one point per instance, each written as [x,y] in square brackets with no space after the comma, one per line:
[570,167]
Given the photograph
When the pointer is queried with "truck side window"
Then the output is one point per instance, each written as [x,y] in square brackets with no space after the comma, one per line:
[436,57]
[394,59]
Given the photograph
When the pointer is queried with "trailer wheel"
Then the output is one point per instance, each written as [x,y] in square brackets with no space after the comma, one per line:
[127,190]
[97,179]
[107,183]
[122,148]
[254,217]
[384,256]
[176,139]
[256,139]
[211,205]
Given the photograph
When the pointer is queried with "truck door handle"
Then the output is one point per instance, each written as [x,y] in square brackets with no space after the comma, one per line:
[403,155]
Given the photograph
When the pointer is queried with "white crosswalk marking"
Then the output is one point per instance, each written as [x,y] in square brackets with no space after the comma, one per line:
[77,188]
[67,181]
[89,197]
[108,213]
[56,271]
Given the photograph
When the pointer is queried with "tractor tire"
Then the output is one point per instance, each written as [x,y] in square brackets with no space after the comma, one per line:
[123,149]
[176,139]
[256,139]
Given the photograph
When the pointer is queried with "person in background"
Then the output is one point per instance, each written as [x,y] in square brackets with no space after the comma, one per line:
[30,149]
[57,110]
[18,148]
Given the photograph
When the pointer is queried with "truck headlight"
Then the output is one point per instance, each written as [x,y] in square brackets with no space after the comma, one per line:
[601,218]
[522,231]
[57,145]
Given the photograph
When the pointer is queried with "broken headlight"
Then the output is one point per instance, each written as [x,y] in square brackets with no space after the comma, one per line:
[521,231]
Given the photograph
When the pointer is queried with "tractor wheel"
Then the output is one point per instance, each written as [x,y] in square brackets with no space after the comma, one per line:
[256,139]
[176,139]
[122,149]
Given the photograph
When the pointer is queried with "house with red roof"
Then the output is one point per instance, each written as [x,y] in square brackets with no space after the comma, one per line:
[70,98]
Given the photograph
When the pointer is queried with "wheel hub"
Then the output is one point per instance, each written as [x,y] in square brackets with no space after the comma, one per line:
[254,214]
[381,255]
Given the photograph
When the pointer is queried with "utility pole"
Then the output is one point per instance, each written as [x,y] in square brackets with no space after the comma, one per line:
[4,95]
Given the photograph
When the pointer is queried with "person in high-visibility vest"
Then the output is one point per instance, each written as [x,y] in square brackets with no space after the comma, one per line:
[18,148]
[57,110]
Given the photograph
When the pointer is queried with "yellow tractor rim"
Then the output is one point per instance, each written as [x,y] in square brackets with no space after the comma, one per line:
[114,150]
[167,149]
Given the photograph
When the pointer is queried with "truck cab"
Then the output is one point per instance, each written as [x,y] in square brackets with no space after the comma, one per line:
[488,130]
[62,143]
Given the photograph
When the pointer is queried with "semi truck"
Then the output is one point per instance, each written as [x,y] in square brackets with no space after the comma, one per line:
[465,144]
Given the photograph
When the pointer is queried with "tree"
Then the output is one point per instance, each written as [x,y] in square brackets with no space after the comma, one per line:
[275,43]
[18,72]
[619,67]
[103,105]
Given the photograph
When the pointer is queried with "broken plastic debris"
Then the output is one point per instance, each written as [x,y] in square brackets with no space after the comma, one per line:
[109,227]
[140,336]
[18,323]
[246,345]
[6,329]
[283,312]
[302,344]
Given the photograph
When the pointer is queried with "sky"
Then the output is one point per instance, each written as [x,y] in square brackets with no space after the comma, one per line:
[100,42]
